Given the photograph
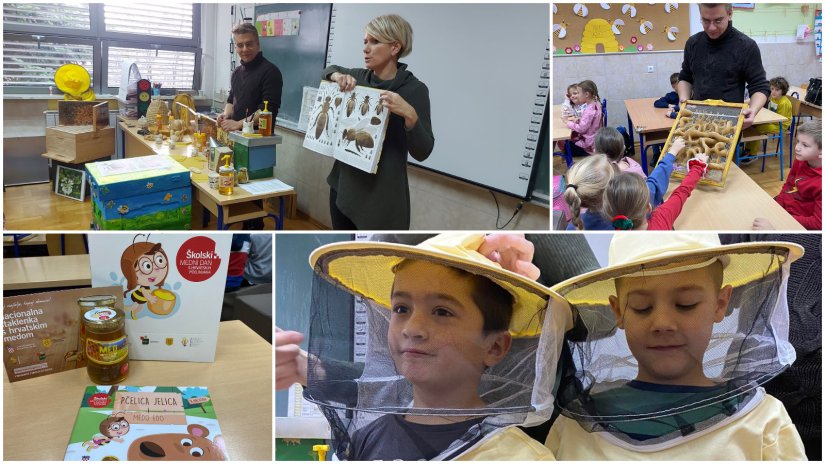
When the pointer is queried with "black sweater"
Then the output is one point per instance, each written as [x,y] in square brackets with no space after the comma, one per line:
[381,201]
[252,83]
[720,68]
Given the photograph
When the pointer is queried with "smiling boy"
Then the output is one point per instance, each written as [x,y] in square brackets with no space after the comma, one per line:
[452,354]
[698,328]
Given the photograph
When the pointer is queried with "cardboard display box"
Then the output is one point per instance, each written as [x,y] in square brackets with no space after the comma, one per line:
[145,193]
[173,284]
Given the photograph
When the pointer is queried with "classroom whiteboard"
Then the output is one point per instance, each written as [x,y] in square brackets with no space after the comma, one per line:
[487,70]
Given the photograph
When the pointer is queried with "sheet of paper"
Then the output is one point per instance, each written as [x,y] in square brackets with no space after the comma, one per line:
[260,187]
[130,165]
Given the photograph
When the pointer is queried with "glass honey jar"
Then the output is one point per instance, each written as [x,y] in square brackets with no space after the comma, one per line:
[103,338]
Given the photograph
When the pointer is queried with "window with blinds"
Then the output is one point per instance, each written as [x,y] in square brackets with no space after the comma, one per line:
[162,38]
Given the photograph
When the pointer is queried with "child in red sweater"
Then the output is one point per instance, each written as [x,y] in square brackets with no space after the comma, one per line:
[627,199]
[801,196]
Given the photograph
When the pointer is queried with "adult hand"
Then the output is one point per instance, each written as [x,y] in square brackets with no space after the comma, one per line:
[750,116]
[513,252]
[345,81]
[397,105]
[221,117]
[762,224]
[230,125]
[290,359]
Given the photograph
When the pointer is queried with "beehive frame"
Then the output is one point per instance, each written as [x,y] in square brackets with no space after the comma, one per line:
[709,126]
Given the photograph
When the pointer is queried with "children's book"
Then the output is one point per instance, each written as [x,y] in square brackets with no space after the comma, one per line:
[349,126]
[117,423]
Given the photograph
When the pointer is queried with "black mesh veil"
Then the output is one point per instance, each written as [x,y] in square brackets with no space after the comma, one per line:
[353,372]
[616,376]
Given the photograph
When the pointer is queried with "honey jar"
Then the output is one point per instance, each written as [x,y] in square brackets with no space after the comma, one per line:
[103,338]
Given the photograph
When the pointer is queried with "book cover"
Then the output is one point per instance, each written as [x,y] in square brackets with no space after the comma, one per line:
[116,423]
[41,331]
[349,126]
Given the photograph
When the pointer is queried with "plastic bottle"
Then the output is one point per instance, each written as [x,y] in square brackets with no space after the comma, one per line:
[265,121]
[226,181]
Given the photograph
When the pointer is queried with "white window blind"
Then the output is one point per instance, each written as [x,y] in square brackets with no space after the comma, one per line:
[151,19]
[173,69]
[57,15]
[26,64]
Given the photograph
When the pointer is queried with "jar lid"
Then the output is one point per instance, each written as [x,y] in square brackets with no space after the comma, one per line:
[94,301]
[103,319]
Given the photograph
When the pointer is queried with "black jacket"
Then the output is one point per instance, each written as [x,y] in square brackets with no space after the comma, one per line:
[252,83]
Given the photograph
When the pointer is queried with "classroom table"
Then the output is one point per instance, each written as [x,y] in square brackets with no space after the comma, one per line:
[562,132]
[733,207]
[806,108]
[43,272]
[646,119]
[38,413]
[240,206]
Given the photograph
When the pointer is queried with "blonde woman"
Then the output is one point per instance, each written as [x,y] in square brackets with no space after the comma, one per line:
[359,200]
[586,181]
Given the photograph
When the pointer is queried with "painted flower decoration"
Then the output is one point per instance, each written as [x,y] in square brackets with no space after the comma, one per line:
[649,47]
[633,39]
[568,50]
[640,48]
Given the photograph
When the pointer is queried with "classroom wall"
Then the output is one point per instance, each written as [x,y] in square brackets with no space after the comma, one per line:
[620,77]
[437,202]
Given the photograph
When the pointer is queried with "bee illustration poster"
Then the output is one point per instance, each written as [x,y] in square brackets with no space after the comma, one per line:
[41,331]
[349,126]
[172,286]
[118,423]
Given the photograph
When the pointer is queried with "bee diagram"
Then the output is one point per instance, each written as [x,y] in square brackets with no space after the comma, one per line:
[348,126]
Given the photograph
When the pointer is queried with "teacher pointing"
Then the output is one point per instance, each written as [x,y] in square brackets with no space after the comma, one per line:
[719,61]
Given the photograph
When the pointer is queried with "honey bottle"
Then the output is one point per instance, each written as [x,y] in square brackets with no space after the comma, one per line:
[226,179]
[265,121]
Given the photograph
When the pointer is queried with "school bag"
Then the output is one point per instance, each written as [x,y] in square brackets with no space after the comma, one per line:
[814,94]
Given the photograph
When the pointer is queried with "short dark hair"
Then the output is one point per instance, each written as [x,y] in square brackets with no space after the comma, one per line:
[494,302]
[780,83]
[246,28]
[728,6]
[674,78]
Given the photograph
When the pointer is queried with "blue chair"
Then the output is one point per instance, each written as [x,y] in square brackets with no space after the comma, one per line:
[604,112]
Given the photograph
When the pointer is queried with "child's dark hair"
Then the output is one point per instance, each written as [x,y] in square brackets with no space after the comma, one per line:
[626,200]
[674,78]
[610,142]
[813,129]
[590,87]
[494,302]
[780,83]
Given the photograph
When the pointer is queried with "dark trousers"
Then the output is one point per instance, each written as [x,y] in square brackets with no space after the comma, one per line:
[339,220]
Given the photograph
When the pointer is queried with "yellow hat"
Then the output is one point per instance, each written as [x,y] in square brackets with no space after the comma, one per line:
[72,79]
[634,252]
[366,269]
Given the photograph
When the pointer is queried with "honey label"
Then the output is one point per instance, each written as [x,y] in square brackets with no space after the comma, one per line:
[107,352]
[226,181]
[100,314]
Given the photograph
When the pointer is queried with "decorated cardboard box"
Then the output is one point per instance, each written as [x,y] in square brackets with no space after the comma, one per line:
[41,331]
[119,423]
[144,193]
[172,288]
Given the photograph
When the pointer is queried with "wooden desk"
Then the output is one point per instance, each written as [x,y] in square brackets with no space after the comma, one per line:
[135,145]
[645,118]
[46,272]
[240,382]
[806,108]
[240,206]
[562,132]
[733,207]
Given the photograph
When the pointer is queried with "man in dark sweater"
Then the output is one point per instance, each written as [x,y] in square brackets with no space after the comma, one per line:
[719,61]
[256,80]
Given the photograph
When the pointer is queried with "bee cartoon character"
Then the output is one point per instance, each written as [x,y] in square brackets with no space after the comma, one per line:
[145,265]
[111,429]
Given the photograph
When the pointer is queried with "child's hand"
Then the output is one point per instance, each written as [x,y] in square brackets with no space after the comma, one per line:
[677,145]
[700,160]
[701,157]
[762,224]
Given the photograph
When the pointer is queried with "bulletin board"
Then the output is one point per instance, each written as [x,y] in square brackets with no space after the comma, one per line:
[771,20]
[590,28]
